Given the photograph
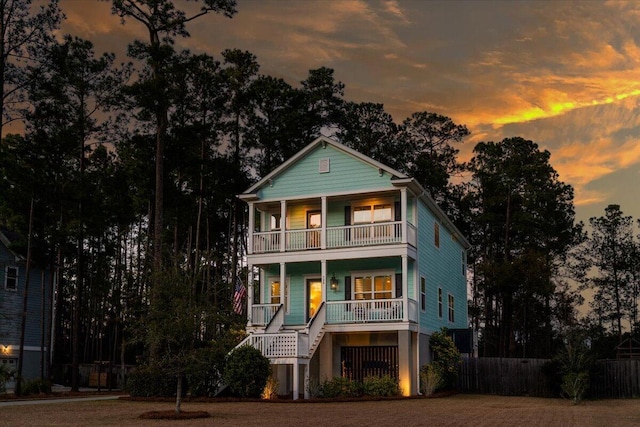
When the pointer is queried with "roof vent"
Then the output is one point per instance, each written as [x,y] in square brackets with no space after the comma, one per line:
[323,166]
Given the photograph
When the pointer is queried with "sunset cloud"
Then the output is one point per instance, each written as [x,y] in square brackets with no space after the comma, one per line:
[563,74]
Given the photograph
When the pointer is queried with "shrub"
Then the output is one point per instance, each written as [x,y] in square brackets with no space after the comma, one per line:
[151,381]
[204,376]
[430,379]
[340,387]
[446,356]
[6,373]
[574,385]
[246,371]
[37,386]
[381,386]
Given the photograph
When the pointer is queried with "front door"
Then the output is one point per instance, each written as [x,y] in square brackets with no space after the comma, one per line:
[314,297]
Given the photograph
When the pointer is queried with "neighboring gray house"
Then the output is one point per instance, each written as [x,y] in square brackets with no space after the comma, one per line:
[12,285]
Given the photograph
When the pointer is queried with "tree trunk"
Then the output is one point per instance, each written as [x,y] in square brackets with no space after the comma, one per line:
[179,394]
[25,300]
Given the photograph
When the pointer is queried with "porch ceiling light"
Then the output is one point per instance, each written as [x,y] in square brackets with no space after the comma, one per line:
[334,283]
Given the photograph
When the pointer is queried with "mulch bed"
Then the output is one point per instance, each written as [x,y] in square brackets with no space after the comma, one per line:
[173,415]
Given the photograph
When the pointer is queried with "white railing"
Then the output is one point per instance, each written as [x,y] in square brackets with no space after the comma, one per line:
[315,326]
[337,237]
[412,234]
[277,345]
[261,314]
[300,240]
[365,311]
[364,235]
[264,242]
[413,310]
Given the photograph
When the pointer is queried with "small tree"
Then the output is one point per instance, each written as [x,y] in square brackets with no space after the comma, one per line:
[575,364]
[446,358]
[246,371]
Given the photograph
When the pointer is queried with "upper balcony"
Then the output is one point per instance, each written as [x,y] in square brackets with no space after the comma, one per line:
[345,221]
[346,236]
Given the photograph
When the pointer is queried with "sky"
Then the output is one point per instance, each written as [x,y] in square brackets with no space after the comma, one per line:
[564,74]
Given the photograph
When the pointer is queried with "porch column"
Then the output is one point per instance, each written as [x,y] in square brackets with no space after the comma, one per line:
[252,221]
[405,288]
[323,274]
[307,394]
[283,225]
[296,380]
[403,213]
[283,284]
[323,230]
[249,293]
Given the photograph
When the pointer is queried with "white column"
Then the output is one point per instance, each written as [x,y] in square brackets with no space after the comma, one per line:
[283,224]
[283,278]
[323,235]
[307,395]
[403,212]
[296,380]
[252,221]
[323,274]
[405,288]
[249,293]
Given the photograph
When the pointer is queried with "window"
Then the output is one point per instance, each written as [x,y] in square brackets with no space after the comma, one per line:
[440,302]
[11,278]
[436,234]
[452,317]
[274,293]
[423,294]
[371,213]
[275,222]
[379,286]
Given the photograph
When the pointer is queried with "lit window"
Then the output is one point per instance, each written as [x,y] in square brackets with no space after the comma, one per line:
[371,213]
[423,294]
[11,278]
[274,293]
[373,287]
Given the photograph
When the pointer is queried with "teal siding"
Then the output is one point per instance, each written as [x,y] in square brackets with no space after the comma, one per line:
[347,173]
[442,268]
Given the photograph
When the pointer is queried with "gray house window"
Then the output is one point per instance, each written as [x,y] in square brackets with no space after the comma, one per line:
[11,278]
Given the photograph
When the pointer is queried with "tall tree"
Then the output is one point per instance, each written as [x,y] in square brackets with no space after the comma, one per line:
[522,225]
[77,87]
[23,35]
[163,23]
[431,155]
[608,256]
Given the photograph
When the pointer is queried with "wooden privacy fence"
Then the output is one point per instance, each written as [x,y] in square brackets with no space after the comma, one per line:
[517,377]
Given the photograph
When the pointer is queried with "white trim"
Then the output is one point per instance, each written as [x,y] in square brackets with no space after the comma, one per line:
[359,195]
[6,277]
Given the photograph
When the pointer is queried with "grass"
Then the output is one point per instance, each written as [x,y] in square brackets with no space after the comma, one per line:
[456,410]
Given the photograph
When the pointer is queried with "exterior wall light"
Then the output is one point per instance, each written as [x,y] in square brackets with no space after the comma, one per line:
[334,283]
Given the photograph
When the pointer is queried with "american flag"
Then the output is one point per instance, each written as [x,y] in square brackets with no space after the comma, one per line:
[238,296]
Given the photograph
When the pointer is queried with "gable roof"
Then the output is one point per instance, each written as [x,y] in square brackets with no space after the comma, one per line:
[7,238]
[322,140]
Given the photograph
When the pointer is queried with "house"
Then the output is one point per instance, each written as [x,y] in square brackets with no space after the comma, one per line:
[12,288]
[352,267]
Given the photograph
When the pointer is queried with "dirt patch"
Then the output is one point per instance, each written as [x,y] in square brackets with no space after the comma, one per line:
[457,410]
[173,415]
